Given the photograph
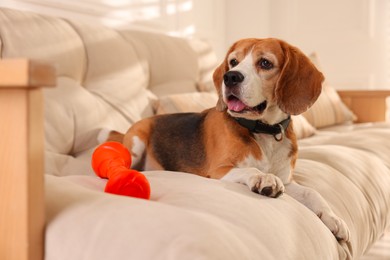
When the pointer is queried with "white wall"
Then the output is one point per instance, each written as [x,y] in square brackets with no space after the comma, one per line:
[349,36]
[247,19]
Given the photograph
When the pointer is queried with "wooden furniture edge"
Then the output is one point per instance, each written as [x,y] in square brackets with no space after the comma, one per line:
[21,157]
[26,73]
[367,105]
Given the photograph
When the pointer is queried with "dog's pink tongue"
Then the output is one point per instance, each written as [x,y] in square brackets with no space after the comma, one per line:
[236,105]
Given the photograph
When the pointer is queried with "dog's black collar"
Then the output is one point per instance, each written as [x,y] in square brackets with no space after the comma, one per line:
[256,126]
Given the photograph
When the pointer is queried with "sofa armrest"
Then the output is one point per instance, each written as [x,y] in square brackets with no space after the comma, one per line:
[21,157]
[368,105]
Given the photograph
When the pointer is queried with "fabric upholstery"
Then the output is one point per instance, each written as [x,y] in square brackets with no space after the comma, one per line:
[169,59]
[183,103]
[43,38]
[329,109]
[191,217]
[114,70]
[105,77]
[66,128]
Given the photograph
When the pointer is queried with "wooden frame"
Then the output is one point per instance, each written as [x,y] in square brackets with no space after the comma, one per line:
[368,105]
[21,158]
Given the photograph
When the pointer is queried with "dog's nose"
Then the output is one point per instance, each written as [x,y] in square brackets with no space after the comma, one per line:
[232,78]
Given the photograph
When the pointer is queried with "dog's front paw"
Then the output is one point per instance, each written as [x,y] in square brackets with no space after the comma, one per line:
[336,225]
[268,185]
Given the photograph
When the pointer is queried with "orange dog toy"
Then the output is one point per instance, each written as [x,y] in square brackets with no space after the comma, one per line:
[112,160]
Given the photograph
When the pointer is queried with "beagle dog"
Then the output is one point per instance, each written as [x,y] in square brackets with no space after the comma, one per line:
[248,137]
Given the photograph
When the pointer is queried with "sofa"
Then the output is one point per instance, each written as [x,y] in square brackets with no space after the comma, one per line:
[109,79]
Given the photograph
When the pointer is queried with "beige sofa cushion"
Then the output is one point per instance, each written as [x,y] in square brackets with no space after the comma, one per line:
[45,38]
[173,64]
[184,103]
[101,82]
[207,61]
[329,109]
[106,78]
[73,117]
[114,72]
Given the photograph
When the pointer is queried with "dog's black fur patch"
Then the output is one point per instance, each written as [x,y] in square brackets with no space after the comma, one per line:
[178,141]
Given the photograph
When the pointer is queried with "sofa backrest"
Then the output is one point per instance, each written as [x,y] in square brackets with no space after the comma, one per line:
[106,78]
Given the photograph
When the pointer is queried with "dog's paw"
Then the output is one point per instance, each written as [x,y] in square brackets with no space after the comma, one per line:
[336,225]
[268,185]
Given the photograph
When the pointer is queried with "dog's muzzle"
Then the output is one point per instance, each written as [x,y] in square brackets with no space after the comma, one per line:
[232,80]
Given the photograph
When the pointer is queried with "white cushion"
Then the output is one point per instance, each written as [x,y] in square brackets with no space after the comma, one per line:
[302,127]
[170,60]
[329,109]
[188,102]
[71,112]
[115,73]
[105,77]
[45,38]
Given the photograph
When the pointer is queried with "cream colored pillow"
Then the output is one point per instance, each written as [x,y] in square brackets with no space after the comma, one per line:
[188,102]
[197,102]
[302,128]
[329,109]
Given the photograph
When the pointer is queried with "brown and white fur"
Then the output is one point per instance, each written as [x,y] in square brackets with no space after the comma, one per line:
[275,80]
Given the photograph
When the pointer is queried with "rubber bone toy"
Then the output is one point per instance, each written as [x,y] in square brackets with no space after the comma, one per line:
[112,160]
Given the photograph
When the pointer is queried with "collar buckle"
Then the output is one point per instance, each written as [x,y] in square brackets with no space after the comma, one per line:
[280,136]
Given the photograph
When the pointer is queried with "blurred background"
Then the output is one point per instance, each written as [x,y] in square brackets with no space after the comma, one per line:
[350,37]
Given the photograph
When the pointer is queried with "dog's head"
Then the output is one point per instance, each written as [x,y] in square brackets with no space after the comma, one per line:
[266,78]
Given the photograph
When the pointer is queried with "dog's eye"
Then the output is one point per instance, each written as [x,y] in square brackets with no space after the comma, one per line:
[265,64]
[233,62]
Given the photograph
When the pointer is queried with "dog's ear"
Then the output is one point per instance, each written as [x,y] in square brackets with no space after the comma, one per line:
[218,78]
[299,83]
